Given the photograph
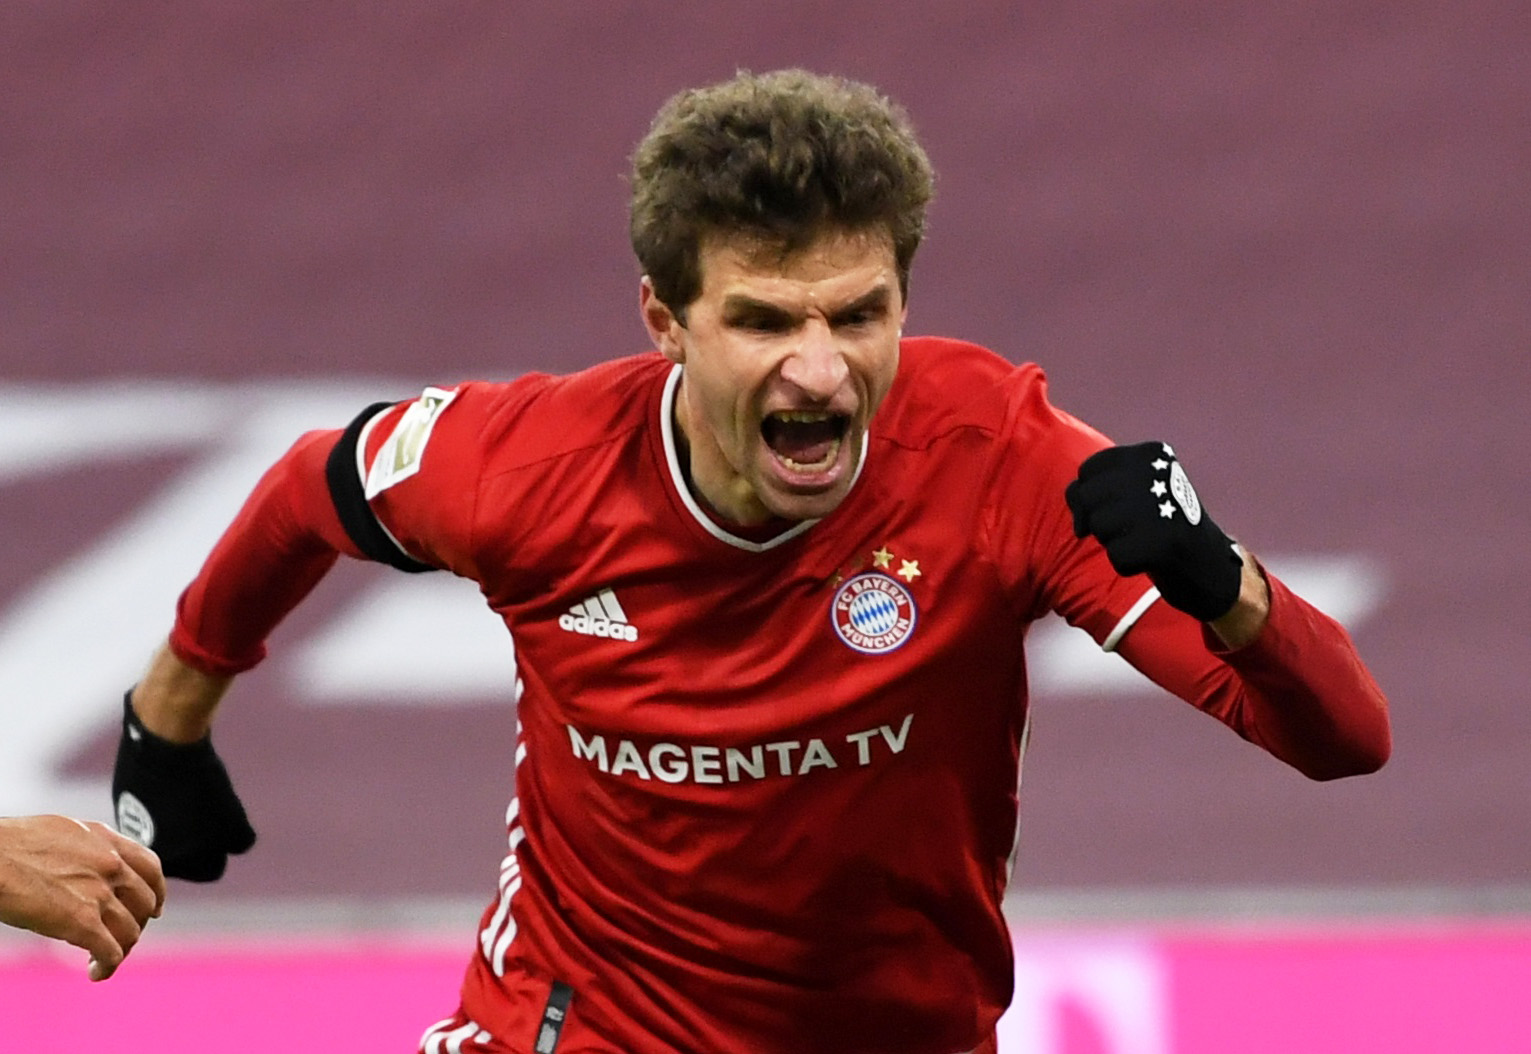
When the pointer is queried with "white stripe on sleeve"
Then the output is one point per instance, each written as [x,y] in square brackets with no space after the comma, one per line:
[1129,620]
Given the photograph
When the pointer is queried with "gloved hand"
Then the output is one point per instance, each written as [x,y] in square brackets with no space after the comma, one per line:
[177,799]
[1137,501]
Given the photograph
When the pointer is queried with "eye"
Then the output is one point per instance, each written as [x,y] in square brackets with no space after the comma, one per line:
[858,318]
[761,323]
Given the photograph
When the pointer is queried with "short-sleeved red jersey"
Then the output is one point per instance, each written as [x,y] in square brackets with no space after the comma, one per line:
[766,791]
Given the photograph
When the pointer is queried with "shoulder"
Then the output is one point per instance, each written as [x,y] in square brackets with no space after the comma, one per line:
[539,416]
[944,385]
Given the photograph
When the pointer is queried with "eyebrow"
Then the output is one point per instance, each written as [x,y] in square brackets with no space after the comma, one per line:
[736,304]
[739,304]
[875,299]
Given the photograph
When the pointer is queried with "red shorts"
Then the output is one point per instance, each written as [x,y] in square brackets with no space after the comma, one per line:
[459,1035]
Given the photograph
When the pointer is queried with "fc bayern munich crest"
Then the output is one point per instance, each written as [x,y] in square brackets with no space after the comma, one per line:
[873,613]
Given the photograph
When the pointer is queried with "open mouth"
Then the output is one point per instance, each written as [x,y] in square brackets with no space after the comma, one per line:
[805,440]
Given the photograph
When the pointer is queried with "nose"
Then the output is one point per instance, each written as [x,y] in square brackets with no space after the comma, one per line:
[817,365]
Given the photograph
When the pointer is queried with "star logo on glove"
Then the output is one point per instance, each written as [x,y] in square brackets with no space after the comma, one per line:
[1185,494]
[1179,487]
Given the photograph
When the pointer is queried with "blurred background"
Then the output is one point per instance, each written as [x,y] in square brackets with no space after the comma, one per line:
[1291,238]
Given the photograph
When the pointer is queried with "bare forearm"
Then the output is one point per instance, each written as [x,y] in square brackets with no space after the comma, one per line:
[176,701]
[1241,625]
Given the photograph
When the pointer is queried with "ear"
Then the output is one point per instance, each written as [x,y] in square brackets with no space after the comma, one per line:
[664,328]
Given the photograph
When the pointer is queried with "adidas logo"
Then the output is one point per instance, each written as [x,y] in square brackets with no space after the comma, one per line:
[600,616]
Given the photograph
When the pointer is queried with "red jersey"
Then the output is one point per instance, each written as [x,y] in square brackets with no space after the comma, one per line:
[766,790]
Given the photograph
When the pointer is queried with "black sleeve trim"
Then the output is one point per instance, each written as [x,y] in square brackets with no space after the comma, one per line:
[350,499]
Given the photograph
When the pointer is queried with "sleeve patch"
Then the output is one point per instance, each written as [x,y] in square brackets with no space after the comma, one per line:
[404,449]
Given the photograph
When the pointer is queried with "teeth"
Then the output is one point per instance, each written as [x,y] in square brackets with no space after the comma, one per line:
[825,462]
[802,416]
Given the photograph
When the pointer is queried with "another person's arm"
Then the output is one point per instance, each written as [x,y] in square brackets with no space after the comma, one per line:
[78,882]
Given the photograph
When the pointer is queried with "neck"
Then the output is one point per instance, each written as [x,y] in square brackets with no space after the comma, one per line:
[722,493]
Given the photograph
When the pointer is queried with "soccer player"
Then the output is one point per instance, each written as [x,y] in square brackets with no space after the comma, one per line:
[78,882]
[769,585]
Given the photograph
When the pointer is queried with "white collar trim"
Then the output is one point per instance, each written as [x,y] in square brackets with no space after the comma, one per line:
[678,478]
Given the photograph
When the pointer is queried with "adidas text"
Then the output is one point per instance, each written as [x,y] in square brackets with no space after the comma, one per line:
[598,627]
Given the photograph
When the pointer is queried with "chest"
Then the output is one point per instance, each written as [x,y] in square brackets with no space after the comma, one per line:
[639,626]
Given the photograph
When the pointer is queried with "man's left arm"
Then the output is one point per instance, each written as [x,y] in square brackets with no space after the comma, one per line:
[1243,622]
[1253,654]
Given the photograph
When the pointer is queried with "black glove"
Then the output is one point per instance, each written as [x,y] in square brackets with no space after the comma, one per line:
[1138,502]
[176,799]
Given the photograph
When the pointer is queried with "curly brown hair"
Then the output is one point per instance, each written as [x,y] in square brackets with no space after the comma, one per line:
[781,158]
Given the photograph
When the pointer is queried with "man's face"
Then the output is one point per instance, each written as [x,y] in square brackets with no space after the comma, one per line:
[786,360]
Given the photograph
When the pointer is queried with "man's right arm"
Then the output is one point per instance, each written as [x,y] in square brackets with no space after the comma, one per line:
[317,502]
[170,789]
[176,701]
[365,491]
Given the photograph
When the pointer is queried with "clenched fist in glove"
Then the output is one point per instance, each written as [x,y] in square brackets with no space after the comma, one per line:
[176,798]
[1137,501]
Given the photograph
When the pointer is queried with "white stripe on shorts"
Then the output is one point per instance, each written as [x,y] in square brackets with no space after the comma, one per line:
[439,1040]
